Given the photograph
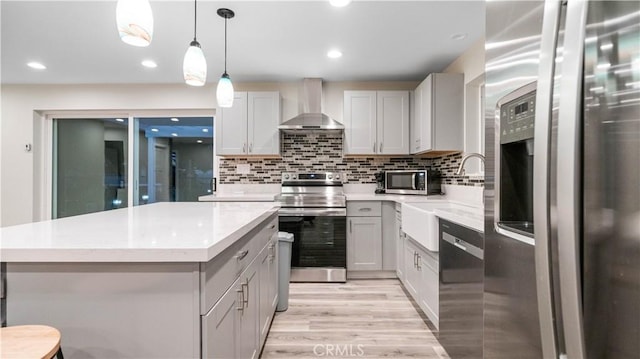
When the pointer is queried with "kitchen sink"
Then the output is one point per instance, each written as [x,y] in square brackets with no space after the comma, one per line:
[420,223]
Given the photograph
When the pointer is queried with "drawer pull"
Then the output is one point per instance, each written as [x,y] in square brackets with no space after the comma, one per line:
[246,300]
[241,307]
[242,254]
[272,226]
[365,209]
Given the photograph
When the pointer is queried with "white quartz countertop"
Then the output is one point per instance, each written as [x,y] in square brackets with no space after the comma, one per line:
[160,232]
[464,216]
[239,197]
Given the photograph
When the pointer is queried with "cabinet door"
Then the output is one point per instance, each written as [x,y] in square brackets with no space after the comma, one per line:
[360,122]
[415,106]
[393,122]
[429,288]
[249,320]
[221,326]
[268,287]
[263,120]
[265,302]
[364,243]
[411,274]
[230,127]
[426,113]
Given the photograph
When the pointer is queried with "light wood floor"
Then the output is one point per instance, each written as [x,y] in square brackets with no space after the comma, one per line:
[362,318]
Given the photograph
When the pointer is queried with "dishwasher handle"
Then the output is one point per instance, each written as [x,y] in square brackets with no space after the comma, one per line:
[463,245]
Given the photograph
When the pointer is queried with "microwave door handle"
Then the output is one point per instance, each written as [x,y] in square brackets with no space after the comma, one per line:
[413,181]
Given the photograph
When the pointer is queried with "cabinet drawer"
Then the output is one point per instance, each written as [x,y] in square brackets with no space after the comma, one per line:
[364,209]
[217,275]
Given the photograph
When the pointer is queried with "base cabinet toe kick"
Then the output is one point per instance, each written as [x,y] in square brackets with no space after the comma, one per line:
[217,309]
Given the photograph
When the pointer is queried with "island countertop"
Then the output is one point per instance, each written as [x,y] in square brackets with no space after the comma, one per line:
[159,232]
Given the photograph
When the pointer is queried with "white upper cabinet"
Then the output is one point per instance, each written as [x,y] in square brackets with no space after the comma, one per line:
[438,107]
[250,127]
[376,122]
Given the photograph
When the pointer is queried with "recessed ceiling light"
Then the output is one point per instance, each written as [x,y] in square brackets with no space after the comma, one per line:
[199,141]
[334,54]
[205,130]
[460,36]
[174,119]
[119,119]
[150,64]
[339,3]
[154,130]
[36,65]
[174,134]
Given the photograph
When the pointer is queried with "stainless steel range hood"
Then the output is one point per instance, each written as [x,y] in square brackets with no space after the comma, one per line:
[311,119]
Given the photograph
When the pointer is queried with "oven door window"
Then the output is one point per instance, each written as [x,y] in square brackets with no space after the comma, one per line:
[319,241]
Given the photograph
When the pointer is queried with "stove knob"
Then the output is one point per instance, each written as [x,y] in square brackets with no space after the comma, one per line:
[337,177]
[294,176]
[330,177]
[286,176]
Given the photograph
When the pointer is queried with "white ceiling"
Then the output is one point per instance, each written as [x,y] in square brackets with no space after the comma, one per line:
[268,40]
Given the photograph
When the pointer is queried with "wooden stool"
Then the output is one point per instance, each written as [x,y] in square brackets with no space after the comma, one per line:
[30,341]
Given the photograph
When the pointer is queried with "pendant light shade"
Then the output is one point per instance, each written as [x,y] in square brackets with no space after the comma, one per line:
[194,65]
[224,93]
[135,22]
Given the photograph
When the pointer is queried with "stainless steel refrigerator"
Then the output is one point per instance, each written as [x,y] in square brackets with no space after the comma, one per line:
[562,185]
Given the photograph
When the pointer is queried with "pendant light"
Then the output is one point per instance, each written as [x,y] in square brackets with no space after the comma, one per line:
[224,93]
[135,22]
[194,66]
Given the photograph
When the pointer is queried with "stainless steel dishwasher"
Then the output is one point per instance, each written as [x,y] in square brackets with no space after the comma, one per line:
[461,290]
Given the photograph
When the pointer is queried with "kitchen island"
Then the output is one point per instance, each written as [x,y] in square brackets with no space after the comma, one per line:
[153,281]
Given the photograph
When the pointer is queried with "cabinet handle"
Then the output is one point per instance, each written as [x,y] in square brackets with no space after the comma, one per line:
[365,209]
[380,147]
[246,300]
[244,147]
[272,226]
[250,147]
[415,259]
[242,254]
[418,266]
[374,147]
[241,291]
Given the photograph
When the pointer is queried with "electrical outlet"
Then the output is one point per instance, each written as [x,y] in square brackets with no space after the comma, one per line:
[243,168]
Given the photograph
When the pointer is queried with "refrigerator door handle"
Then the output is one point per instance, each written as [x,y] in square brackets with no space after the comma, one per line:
[569,178]
[541,183]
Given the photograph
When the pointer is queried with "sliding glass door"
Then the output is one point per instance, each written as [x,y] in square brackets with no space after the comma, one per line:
[105,163]
[174,159]
[89,165]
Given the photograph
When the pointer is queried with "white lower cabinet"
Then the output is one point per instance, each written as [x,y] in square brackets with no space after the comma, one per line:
[364,243]
[237,325]
[230,328]
[364,236]
[268,286]
[421,272]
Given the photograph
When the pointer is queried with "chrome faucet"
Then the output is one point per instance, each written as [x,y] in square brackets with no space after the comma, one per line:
[460,170]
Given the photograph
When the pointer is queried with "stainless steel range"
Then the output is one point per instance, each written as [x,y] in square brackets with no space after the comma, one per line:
[314,209]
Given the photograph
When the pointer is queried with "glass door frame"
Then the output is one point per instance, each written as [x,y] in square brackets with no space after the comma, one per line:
[45,156]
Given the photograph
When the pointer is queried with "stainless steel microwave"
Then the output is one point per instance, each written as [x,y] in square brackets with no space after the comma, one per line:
[424,182]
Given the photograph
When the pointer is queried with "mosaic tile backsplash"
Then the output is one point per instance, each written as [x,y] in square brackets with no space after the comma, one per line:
[320,152]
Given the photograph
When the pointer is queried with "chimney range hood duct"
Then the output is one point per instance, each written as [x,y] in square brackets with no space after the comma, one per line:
[311,119]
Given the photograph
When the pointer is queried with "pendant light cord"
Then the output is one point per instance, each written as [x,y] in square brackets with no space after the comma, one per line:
[195,18]
[225,44]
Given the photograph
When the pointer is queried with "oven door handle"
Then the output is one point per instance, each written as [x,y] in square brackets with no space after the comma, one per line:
[320,212]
